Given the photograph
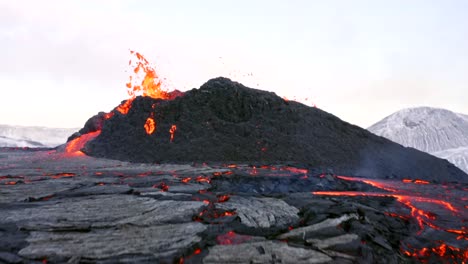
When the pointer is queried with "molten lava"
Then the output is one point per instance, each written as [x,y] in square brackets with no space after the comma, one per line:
[423,218]
[145,83]
[150,126]
[231,238]
[172,132]
[75,146]
[125,106]
[149,84]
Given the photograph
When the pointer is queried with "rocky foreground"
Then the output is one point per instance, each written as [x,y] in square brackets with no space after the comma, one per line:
[70,208]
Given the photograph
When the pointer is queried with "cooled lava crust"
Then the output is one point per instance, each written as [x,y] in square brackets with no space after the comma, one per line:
[226,121]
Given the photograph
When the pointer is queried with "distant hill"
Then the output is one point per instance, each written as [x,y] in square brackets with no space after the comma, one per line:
[440,132]
[29,136]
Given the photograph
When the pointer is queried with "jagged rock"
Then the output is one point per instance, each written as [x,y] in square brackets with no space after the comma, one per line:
[93,213]
[262,212]
[332,241]
[303,232]
[22,192]
[7,257]
[264,252]
[159,241]
[102,211]
[93,124]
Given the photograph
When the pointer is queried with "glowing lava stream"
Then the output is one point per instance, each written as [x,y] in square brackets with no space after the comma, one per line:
[423,218]
[74,147]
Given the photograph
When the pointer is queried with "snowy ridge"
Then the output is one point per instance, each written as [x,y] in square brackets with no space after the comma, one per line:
[458,156]
[439,132]
[24,136]
[424,128]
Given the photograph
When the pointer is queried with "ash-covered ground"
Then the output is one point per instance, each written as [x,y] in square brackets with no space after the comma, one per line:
[70,208]
[226,121]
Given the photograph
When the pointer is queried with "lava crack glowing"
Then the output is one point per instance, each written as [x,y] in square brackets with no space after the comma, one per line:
[417,204]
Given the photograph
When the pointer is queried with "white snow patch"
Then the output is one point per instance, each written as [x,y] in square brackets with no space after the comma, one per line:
[439,132]
[24,136]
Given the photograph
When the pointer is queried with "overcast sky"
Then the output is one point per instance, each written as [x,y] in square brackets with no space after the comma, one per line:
[63,61]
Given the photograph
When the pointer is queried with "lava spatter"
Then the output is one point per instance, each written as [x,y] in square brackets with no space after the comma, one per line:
[145,82]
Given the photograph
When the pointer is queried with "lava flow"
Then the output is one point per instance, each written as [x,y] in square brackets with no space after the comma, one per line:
[417,203]
[74,147]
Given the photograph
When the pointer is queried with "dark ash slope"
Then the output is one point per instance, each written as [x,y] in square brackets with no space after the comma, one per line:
[226,121]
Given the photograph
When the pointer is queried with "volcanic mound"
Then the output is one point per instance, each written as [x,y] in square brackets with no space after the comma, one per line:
[224,121]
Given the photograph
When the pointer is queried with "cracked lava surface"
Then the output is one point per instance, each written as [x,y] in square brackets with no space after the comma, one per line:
[65,206]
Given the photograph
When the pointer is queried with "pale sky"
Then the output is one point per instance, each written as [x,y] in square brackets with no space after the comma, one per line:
[63,61]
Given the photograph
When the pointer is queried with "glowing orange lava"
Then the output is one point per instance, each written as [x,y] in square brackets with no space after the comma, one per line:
[146,81]
[186,180]
[374,183]
[423,218]
[125,106]
[442,250]
[223,198]
[150,126]
[172,131]
[421,182]
[231,238]
[108,115]
[75,146]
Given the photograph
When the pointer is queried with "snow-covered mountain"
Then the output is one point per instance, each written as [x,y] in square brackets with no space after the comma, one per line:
[458,156]
[440,132]
[24,136]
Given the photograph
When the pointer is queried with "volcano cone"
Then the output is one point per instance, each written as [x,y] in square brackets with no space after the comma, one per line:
[224,121]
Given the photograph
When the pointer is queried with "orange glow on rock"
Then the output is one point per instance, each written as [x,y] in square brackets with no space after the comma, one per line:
[421,182]
[186,180]
[228,213]
[150,126]
[75,146]
[231,238]
[423,218]
[108,115]
[203,179]
[223,198]
[125,106]
[374,183]
[172,132]
[442,250]
[62,175]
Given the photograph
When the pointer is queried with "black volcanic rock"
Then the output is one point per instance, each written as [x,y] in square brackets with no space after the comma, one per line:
[224,121]
[93,124]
